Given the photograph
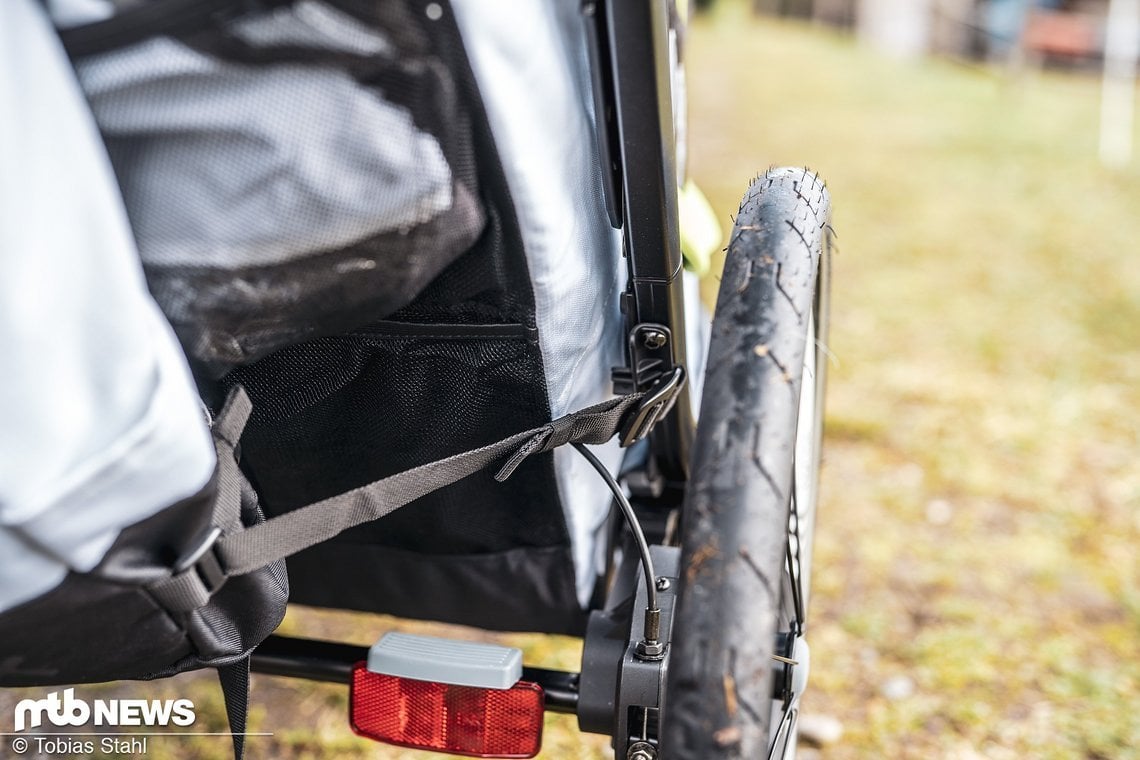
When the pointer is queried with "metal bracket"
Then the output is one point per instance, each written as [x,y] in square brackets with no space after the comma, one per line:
[650,353]
[641,682]
[656,404]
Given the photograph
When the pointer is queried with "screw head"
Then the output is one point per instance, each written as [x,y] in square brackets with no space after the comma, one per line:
[663,583]
[654,339]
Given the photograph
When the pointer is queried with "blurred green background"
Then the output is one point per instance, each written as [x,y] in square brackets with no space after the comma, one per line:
[977,587]
[977,578]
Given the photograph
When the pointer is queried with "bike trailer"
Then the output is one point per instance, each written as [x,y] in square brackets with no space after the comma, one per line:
[341,282]
[363,255]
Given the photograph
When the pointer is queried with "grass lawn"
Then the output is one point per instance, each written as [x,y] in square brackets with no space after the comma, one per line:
[977,589]
[978,581]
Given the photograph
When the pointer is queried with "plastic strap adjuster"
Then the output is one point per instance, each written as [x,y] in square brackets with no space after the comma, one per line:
[202,558]
[655,405]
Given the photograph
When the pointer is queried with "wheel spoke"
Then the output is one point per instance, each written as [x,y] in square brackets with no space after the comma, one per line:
[796,576]
[799,527]
[783,733]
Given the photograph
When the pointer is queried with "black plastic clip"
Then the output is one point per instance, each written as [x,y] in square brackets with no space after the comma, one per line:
[202,559]
[655,405]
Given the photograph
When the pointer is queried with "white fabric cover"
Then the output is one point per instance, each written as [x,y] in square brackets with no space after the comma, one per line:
[100,425]
[529,60]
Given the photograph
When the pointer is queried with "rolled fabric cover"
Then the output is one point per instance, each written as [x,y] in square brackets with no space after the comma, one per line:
[102,428]
[106,463]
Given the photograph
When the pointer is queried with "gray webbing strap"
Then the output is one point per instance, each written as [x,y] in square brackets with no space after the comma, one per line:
[289,533]
[242,551]
[227,430]
[191,587]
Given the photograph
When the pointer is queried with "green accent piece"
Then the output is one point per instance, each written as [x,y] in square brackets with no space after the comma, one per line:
[701,233]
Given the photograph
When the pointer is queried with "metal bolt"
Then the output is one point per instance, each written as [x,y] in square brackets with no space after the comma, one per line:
[641,751]
[650,648]
[652,624]
[649,651]
[663,583]
[654,339]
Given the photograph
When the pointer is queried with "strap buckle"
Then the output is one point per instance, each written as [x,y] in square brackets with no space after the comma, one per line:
[655,405]
[203,560]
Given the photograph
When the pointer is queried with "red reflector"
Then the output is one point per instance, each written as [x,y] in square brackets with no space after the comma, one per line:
[464,720]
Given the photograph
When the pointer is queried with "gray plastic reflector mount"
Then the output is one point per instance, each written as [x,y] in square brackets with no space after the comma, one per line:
[460,663]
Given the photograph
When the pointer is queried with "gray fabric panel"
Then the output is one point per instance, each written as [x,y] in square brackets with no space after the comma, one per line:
[313,24]
[68,13]
[250,192]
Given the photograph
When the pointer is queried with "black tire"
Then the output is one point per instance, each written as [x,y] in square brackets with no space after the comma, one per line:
[739,545]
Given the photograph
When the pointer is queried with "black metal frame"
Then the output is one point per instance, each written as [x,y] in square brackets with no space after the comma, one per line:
[632,79]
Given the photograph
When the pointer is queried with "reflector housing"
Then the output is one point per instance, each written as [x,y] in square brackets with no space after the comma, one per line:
[462,720]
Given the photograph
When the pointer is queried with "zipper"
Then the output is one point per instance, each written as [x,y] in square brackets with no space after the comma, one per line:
[450,331]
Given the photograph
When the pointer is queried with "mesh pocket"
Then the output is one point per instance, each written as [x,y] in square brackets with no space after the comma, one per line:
[339,412]
[289,173]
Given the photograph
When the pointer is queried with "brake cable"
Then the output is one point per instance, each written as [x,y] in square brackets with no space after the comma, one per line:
[650,647]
